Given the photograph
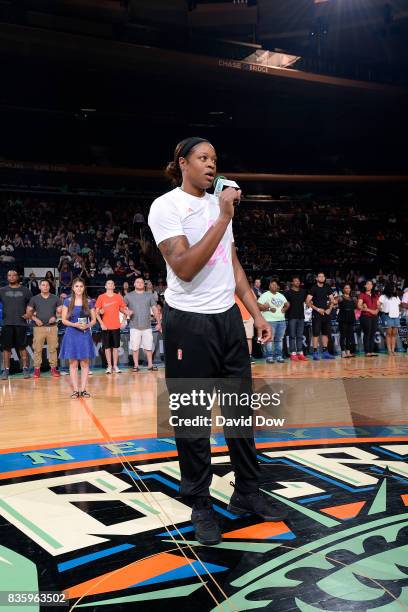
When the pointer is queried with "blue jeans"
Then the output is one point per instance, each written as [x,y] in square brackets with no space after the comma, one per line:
[296,329]
[274,348]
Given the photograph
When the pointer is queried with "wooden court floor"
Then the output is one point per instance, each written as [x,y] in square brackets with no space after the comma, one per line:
[90,508]
[353,391]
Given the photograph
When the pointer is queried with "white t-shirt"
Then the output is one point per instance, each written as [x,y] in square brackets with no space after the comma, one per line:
[177,213]
[390,306]
[404,300]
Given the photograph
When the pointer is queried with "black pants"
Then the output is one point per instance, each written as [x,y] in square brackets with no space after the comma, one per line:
[369,327]
[211,347]
[296,328]
[346,335]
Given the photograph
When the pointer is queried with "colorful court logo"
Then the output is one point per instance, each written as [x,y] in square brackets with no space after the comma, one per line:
[116,536]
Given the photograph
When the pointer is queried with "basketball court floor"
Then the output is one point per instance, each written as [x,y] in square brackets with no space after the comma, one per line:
[90,511]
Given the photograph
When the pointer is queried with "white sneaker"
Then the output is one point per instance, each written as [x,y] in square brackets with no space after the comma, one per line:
[116,370]
[108,371]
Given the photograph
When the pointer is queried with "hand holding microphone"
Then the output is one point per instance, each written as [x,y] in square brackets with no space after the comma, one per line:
[228,193]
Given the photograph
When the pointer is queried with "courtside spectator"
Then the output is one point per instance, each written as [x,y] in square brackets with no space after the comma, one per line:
[139,305]
[296,297]
[346,319]
[108,307]
[14,298]
[273,306]
[44,309]
[321,300]
[368,304]
[389,304]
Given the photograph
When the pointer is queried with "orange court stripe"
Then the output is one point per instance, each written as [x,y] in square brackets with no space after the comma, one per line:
[261,531]
[345,511]
[128,575]
[95,419]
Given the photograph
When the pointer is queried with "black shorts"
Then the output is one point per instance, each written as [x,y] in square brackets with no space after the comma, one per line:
[13,336]
[111,338]
[321,324]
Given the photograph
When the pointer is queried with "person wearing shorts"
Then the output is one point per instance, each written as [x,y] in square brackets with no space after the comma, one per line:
[14,298]
[389,303]
[322,301]
[108,306]
[140,303]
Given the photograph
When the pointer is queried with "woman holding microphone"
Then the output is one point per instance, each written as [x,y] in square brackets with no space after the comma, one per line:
[204,336]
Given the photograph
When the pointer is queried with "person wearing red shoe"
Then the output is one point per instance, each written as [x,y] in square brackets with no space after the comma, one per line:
[43,309]
[295,314]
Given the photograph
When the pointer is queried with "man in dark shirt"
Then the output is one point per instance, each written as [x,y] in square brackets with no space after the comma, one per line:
[257,288]
[296,319]
[43,309]
[322,302]
[14,298]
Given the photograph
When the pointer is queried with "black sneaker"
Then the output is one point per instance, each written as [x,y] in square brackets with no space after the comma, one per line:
[207,530]
[255,503]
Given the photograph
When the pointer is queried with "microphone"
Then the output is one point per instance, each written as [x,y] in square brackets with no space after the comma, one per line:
[221,182]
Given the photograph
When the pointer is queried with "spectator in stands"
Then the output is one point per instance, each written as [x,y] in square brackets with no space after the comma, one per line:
[389,304]
[161,288]
[18,241]
[138,221]
[125,289]
[14,298]
[6,252]
[32,284]
[64,258]
[150,289]
[92,263]
[44,309]
[132,273]
[65,278]
[368,304]
[107,268]
[120,269]
[296,297]
[273,306]
[83,272]
[346,319]
[49,276]
[77,263]
[257,288]
[74,248]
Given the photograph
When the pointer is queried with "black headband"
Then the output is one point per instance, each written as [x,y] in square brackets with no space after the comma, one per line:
[189,144]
